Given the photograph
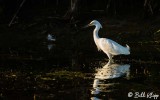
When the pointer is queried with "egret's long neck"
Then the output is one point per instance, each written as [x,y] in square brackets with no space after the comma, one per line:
[95,32]
[96,37]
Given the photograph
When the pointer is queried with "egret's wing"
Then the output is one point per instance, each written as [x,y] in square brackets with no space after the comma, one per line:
[112,47]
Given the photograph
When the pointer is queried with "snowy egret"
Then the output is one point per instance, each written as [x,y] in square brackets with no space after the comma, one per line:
[50,38]
[108,46]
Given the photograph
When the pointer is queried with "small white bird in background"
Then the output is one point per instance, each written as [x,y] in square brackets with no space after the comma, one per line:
[108,46]
[50,38]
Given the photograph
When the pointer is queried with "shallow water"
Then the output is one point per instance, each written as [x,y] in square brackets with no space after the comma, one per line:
[46,71]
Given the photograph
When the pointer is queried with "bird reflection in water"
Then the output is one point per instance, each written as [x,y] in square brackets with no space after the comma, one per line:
[104,78]
[50,46]
[50,39]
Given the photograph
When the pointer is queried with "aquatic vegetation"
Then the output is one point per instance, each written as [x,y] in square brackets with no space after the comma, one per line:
[65,75]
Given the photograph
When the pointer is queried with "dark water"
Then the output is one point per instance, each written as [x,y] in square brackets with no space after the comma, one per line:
[46,71]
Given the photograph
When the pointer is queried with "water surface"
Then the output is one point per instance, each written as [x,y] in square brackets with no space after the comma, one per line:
[47,71]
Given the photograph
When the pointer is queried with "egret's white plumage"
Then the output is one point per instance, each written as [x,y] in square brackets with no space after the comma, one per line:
[108,46]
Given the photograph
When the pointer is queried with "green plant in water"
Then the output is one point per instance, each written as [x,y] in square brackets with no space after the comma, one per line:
[64,75]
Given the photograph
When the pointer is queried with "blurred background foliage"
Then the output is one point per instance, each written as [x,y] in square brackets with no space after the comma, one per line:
[74,9]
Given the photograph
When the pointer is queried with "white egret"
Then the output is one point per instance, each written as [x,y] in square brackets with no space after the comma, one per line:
[108,46]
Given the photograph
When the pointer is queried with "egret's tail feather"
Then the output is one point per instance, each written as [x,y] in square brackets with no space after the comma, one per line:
[128,47]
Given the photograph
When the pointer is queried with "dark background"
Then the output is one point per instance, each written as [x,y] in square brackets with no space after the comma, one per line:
[25,24]
[78,8]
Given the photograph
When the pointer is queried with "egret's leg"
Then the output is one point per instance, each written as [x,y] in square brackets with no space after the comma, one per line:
[111,60]
[109,56]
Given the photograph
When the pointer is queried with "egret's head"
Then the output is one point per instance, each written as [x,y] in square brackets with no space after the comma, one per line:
[95,23]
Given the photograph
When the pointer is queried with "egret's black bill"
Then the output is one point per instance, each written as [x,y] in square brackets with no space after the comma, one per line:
[85,26]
